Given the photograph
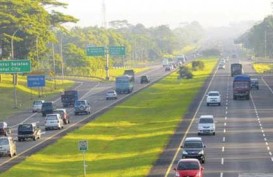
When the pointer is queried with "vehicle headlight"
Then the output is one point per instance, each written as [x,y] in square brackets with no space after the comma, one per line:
[184,153]
[201,152]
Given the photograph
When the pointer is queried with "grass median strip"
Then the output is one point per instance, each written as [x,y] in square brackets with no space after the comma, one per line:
[126,140]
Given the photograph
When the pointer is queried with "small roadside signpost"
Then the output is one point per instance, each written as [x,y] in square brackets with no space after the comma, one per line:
[36,81]
[83,147]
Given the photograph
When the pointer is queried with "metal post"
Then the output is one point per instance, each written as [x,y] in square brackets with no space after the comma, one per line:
[61,52]
[107,64]
[14,75]
[54,65]
[84,164]
[265,44]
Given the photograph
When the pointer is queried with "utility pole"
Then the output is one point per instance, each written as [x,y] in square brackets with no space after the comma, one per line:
[265,44]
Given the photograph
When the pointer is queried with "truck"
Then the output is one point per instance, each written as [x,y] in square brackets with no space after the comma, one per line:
[241,87]
[130,72]
[69,97]
[236,69]
[124,84]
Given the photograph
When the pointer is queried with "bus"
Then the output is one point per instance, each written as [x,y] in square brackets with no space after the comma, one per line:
[124,84]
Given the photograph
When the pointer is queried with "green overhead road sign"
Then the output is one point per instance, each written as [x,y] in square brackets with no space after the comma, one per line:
[117,50]
[95,51]
[15,66]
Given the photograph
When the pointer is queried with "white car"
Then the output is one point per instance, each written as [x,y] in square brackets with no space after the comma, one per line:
[214,97]
[111,94]
[37,105]
[53,121]
[206,125]
[7,146]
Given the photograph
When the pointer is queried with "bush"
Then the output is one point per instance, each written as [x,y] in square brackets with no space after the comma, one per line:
[185,72]
[198,65]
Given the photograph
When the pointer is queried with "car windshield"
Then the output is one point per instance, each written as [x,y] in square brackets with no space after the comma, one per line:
[25,127]
[4,141]
[51,117]
[213,94]
[193,144]
[79,103]
[206,120]
[188,166]
[37,102]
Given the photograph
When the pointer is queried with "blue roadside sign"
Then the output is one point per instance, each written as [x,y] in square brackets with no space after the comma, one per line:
[36,81]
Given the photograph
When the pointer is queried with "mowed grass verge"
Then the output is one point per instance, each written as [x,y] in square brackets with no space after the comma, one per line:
[25,95]
[126,140]
[263,67]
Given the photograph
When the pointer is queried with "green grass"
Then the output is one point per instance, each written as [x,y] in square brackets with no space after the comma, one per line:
[263,67]
[25,95]
[125,141]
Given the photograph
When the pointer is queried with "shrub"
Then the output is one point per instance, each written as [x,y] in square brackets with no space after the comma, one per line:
[198,65]
[185,72]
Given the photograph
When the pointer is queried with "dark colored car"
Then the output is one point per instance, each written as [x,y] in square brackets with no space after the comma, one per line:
[82,106]
[254,83]
[193,147]
[144,79]
[47,108]
[4,129]
[28,131]
[189,167]
[65,117]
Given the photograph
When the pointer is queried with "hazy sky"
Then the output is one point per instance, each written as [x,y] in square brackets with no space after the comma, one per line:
[168,12]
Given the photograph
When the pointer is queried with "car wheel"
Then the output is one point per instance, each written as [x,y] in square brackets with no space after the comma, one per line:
[214,133]
[219,104]
[207,104]
[34,138]
[46,129]
[19,139]
[203,160]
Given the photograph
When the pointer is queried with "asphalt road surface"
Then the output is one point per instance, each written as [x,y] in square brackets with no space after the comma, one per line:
[94,92]
[243,144]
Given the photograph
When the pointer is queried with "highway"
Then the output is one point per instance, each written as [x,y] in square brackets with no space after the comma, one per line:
[92,91]
[243,144]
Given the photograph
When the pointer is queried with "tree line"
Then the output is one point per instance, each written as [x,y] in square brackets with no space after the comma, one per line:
[259,38]
[37,33]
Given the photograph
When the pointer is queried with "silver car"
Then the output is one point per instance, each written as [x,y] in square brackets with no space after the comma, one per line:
[53,121]
[111,94]
[7,146]
[37,105]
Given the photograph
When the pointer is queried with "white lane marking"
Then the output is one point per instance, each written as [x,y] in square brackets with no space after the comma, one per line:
[268,148]
[263,135]
[225,124]
[224,130]
[226,112]
[271,158]
[270,153]
[223,149]
[265,139]
[225,118]
[222,161]
[188,129]
[221,174]
[224,139]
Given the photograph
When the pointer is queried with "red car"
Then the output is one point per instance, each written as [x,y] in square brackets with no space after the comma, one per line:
[189,167]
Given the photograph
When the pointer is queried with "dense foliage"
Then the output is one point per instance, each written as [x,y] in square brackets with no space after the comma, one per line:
[259,38]
[37,33]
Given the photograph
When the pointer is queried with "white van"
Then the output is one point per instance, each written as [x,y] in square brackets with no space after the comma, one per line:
[206,125]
